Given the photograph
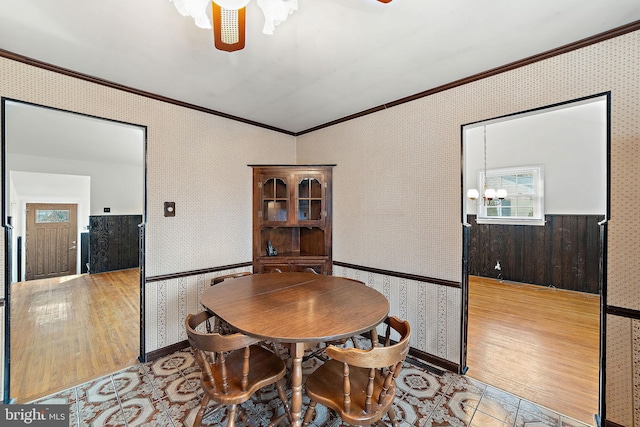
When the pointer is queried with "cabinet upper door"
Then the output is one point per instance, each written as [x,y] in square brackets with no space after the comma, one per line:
[310,199]
[275,199]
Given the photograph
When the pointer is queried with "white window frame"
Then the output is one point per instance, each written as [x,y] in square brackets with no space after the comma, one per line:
[538,197]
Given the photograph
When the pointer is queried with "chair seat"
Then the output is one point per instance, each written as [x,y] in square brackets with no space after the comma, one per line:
[233,368]
[321,387]
[358,384]
[266,368]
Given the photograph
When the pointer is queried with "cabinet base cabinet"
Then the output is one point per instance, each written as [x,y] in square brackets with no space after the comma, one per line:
[293,264]
[292,218]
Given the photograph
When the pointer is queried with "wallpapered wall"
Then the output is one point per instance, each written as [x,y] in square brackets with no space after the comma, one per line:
[396,191]
[397,183]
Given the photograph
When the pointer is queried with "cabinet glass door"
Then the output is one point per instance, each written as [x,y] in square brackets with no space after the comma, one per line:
[274,200]
[309,199]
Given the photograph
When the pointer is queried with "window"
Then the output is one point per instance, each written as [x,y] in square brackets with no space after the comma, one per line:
[524,203]
[52,215]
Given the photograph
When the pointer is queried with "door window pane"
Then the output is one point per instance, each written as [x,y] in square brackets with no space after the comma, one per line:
[52,215]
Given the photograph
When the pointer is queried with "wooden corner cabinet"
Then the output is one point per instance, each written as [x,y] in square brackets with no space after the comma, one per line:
[292,210]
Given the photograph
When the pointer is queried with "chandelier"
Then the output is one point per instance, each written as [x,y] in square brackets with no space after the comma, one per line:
[488,194]
[229,18]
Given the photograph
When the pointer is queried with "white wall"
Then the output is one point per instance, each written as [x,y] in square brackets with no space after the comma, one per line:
[569,142]
[118,186]
[31,187]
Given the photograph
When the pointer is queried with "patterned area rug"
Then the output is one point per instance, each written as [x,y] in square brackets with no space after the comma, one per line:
[167,392]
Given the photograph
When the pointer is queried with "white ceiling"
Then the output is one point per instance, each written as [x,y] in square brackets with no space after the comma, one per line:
[330,59]
[45,132]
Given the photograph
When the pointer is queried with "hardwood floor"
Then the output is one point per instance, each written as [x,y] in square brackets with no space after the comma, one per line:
[68,330]
[538,343]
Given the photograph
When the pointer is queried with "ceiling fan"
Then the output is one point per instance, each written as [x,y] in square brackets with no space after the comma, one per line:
[229,18]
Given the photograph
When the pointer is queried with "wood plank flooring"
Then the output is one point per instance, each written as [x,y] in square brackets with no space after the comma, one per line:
[68,330]
[538,343]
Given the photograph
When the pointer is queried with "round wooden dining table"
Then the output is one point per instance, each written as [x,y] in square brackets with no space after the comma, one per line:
[295,309]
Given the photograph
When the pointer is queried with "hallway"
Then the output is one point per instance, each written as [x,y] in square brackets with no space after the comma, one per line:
[68,330]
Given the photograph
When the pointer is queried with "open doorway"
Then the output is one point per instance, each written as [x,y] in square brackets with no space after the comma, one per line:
[533,256]
[87,323]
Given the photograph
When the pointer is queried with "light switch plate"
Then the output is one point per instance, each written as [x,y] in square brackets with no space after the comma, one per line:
[169,208]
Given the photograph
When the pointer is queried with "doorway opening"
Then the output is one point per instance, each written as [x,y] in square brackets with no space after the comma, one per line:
[533,285]
[65,324]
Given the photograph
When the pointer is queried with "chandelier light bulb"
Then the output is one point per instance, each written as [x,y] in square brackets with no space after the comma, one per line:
[473,194]
[501,194]
[490,194]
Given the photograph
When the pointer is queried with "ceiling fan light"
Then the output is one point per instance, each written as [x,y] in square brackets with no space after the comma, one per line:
[228,28]
[197,9]
[231,4]
[275,12]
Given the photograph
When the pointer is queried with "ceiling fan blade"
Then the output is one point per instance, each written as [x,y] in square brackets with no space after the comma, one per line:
[228,28]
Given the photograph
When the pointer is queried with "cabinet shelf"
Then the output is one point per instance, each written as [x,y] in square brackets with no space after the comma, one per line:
[292,210]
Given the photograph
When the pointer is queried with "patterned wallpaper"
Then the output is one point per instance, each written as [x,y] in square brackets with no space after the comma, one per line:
[396,190]
[397,181]
[424,306]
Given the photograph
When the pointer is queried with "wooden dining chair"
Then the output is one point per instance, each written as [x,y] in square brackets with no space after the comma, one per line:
[359,385]
[233,369]
[222,278]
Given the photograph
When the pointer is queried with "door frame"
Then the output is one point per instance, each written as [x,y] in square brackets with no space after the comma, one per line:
[464,324]
[8,236]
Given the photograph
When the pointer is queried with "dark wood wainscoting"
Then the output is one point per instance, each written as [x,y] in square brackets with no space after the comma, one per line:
[113,242]
[563,253]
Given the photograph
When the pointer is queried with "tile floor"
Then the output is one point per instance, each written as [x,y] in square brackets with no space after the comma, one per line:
[166,392]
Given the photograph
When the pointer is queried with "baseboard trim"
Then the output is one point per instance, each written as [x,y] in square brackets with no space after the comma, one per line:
[434,360]
[165,351]
[426,357]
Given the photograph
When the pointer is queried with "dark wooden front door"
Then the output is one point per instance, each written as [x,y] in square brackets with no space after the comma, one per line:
[51,246]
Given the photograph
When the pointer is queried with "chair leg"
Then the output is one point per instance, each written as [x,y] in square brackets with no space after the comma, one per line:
[243,417]
[203,407]
[280,387]
[308,416]
[233,410]
[392,417]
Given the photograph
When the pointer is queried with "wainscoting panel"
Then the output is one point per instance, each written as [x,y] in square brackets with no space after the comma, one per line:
[621,355]
[564,253]
[2,350]
[113,242]
[432,310]
[169,301]
[636,371]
